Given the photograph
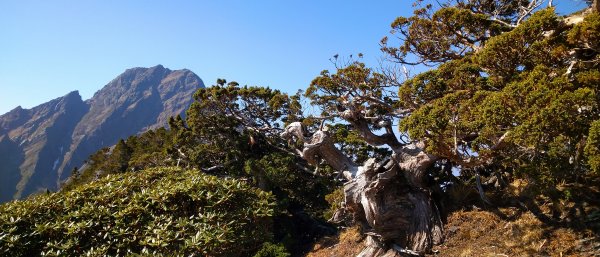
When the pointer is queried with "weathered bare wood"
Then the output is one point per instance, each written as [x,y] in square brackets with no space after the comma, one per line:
[320,146]
[371,138]
[480,189]
[390,200]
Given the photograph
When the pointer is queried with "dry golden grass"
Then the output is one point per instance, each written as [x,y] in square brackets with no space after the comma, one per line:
[348,243]
[507,231]
[482,233]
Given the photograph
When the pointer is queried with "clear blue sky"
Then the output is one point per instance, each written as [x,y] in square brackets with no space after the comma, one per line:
[49,48]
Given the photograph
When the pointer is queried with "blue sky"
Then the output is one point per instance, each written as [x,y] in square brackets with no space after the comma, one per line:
[49,48]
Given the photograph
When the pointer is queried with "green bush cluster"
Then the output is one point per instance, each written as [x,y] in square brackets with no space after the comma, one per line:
[161,211]
[272,250]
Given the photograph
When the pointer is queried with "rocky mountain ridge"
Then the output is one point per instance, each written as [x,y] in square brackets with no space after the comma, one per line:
[40,146]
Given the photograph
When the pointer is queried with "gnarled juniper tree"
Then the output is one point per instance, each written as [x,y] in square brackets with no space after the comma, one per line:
[514,89]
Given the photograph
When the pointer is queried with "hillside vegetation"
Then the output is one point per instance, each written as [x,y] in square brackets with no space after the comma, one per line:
[162,211]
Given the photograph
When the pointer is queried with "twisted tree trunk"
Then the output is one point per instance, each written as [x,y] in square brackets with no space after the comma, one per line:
[390,200]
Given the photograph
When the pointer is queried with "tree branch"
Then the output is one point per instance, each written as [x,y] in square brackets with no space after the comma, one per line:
[320,146]
[362,127]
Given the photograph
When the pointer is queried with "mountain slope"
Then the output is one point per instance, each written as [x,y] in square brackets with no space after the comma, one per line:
[42,143]
[31,141]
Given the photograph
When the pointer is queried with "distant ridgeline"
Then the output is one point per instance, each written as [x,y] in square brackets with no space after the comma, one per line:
[38,145]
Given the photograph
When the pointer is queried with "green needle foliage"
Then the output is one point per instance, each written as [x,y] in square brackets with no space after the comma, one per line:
[163,211]
[592,148]
[516,95]
[228,124]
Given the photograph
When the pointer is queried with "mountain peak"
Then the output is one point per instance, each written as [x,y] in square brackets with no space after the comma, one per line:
[159,66]
[13,118]
[72,96]
[134,70]
[60,134]
[73,93]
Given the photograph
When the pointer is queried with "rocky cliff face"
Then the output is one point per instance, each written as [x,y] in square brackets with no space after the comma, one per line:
[39,147]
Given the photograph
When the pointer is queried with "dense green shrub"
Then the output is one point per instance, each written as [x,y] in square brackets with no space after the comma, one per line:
[334,199]
[592,148]
[272,250]
[163,211]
